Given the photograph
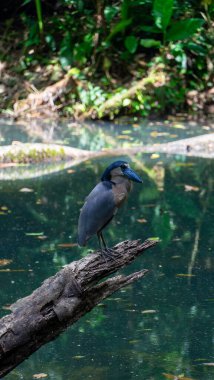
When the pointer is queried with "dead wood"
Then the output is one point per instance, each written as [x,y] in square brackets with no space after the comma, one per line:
[39,101]
[61,300]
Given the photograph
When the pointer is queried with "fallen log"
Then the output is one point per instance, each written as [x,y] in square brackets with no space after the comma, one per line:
[156,78]
[15,159]
[27,153]
[61,300]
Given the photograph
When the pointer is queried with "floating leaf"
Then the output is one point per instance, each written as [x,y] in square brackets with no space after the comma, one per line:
[15,270]
[71,171]
[5,262]
[42,237]
[154,156]
[34,233]
[78,357]
[209,364]
[127,132]
[67,245]
[124,137]
[185,275]
[179,126]
[26,190]
[191,188]
[4,208]
[142,220]
[149,311]
[157,134]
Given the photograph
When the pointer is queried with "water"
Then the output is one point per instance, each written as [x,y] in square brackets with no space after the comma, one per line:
[161,325]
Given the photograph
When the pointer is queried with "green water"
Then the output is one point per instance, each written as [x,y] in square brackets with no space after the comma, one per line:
[160,324]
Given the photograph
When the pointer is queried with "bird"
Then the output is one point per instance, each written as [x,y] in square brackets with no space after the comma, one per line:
[102,203]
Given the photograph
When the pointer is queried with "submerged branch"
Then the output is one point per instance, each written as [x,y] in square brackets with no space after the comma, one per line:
[61,300]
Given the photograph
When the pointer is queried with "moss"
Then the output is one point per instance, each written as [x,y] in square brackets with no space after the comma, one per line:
[33,155]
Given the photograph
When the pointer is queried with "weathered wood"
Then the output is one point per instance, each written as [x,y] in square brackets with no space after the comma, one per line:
[61,300]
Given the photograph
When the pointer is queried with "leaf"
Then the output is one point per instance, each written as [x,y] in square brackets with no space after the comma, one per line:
[196,48]
[209,364]
[191,188]
[185,275]
[142,220]
[119,27]
[162,12]
[78,357]
[67,245]
[26,190]
[131,44]
[5,262]
[34,233]
[149,311]
[154,156]
[184,29]
[148,42]
[71,171]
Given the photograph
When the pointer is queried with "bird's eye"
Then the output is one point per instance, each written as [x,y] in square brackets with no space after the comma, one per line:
[123,166]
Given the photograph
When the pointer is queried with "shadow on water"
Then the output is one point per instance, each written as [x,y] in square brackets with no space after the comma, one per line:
[162,324]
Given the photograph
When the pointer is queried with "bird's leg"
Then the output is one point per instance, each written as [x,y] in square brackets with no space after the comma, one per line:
[108,253]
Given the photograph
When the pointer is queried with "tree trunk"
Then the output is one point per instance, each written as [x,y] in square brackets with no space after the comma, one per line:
[61,300]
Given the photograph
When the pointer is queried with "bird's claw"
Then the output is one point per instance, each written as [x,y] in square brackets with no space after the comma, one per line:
[109,254]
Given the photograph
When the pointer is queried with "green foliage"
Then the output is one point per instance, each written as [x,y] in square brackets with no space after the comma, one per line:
[131,44]
[184,29]
[39,15]
[163,11]
[115,43]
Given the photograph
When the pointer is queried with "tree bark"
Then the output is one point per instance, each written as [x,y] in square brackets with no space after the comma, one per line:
[61,300]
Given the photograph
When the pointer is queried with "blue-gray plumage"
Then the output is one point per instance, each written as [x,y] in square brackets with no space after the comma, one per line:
[104,200]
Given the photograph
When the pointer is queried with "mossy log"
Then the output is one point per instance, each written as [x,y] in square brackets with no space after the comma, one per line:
[36,153]
[27,153]
[156,78]
[61,300]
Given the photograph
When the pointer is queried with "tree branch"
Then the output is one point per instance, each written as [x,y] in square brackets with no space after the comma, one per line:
[61,300]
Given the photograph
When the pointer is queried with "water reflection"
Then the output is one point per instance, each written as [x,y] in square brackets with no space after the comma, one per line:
[162,324]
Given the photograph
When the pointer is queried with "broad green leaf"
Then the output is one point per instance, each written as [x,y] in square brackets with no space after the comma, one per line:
[147,42]
[196,48]
[184,29]
[110,12]
[119,27]
[131,44]
[162,12]
[150,29]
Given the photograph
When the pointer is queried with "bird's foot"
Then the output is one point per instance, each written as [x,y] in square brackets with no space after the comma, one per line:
[109,254]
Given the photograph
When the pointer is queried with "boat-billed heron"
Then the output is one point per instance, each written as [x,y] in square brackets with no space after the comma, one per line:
[103,202]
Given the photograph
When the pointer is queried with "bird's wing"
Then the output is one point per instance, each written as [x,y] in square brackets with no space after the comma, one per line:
[97,211]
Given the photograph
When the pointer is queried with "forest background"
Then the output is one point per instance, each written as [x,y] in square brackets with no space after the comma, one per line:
[95,59]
